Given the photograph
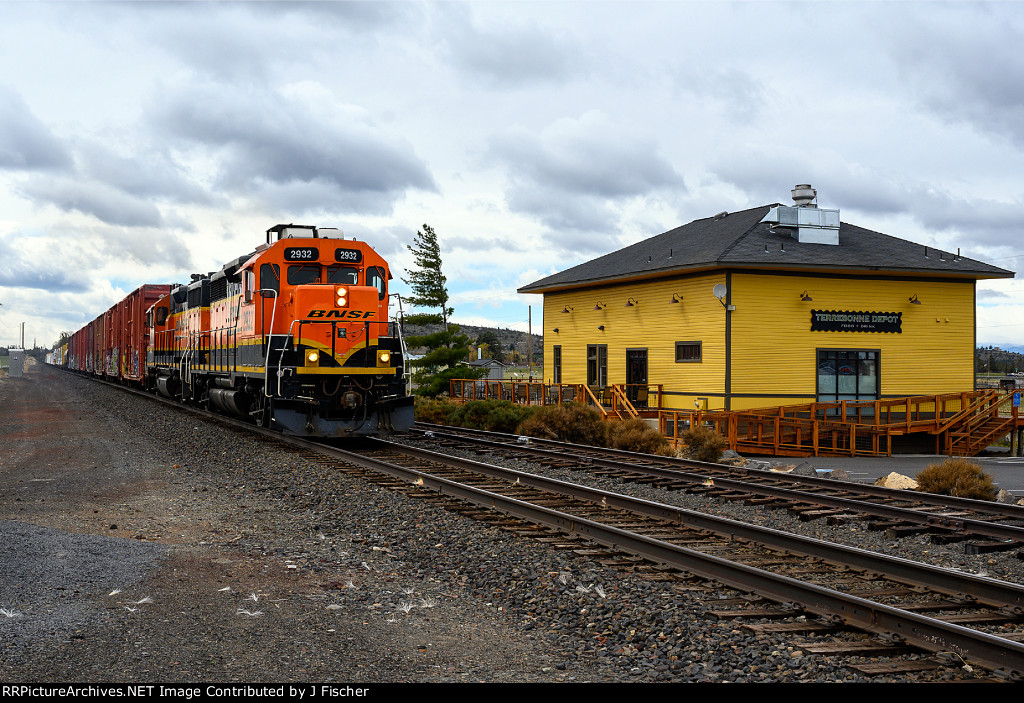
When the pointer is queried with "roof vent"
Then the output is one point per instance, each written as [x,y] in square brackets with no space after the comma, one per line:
[808,223]
[804,195]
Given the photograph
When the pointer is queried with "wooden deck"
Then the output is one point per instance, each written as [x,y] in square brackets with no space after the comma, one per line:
[955,424]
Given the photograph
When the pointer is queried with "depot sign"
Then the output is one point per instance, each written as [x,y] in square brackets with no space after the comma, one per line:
[845,321]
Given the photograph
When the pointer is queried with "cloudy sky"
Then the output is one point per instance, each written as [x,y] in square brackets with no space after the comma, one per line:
[141,142]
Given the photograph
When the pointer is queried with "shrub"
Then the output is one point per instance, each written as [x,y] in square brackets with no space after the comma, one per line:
[703,444]
[566,423]
[493,415]
[635,435]
[957,477]
[434,411]
[504,416]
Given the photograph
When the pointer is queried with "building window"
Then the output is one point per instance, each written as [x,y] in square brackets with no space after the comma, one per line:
[848,374]
[556,365]
[687,352]
[597,365]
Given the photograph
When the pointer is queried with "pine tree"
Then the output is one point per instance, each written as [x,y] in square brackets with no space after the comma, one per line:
[447,348]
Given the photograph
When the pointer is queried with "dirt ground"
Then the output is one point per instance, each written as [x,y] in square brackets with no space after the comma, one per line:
[128,557]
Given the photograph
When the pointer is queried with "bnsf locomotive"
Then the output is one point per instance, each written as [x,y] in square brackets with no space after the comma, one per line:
[294,336]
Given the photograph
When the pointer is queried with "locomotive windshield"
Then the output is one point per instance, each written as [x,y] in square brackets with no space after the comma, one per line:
[343,274]
[301,274]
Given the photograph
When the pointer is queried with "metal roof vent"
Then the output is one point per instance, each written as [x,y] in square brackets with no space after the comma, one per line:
[804,195]
[808,223]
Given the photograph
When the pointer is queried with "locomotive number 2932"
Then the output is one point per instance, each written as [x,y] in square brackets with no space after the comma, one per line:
[301,254]
[350,255]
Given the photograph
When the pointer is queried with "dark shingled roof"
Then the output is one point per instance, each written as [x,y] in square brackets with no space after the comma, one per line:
[740,239]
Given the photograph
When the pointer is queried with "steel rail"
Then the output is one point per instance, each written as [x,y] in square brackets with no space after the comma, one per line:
[910,515]
[929,634]
[1008,510]
[1001,594]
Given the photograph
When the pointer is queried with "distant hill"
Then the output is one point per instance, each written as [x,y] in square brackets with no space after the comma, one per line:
[509,341]
[998,360]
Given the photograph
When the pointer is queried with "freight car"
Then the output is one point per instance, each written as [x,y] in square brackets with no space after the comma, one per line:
[114,344]
[294,335]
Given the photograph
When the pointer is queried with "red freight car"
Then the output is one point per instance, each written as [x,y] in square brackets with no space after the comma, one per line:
[130,338]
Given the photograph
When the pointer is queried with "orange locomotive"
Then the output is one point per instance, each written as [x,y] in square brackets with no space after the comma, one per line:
[295,335]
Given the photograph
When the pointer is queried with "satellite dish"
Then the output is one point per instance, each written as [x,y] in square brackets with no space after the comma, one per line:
[719,291]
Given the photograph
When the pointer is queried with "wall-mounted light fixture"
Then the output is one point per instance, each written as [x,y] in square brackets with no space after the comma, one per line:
[676,298]
[555,330]
[601,327]
[600,306]
[914,300]
[566,309]
[632,302]
[806,297]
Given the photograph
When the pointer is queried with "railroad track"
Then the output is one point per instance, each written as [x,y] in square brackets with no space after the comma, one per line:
[799,585]
[985,526]
[964,617]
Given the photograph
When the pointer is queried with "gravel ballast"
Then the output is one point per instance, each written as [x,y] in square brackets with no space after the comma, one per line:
[142,544]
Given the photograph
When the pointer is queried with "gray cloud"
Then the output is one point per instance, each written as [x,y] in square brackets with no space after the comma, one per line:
[987,294]
[483,245]
[511,57]
[388,241]
[575,175]
[248,40]
[145,175]
[18,271]
[294,152]
[25,142]
[145,247]
[853,187]
[740,95]
[974,76]
[587,156]
[100,200]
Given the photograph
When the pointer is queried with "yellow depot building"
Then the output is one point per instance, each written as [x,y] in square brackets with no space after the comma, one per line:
[775,305]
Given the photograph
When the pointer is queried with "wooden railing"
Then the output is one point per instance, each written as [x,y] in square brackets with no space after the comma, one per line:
[524,392]
[964,422]
[910,413]
[781,435]
[614,402]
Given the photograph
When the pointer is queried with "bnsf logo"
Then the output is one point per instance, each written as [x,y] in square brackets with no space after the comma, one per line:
[350,314]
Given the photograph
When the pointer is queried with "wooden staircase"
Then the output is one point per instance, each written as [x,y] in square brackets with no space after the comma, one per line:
[985,422]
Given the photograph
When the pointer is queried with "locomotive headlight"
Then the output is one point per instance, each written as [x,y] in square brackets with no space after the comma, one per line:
[383,357]
[312,356]
[341,296]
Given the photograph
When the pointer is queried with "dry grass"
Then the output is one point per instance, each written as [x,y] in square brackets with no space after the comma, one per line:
[566,423]
[637,436]
[957,477]
[703,444]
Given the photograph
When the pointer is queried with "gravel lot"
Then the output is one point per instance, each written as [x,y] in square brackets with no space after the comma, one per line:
[159,548]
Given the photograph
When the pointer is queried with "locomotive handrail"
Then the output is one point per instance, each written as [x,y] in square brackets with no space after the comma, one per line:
[266,363]
[280,359]
[399,325]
